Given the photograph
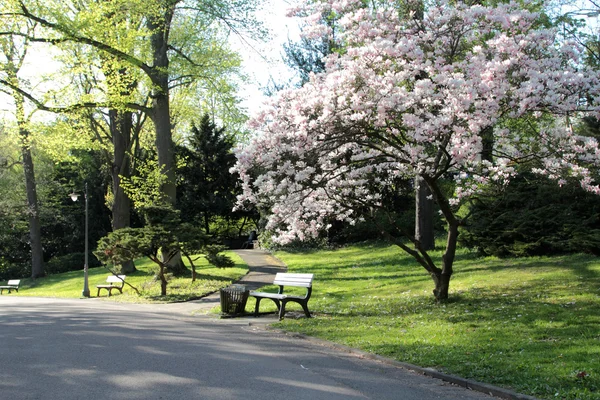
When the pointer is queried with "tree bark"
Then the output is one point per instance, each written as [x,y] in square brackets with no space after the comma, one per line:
[35,229]
[161,114]
[424,215]
[33,211]
[120,128]
[441,277]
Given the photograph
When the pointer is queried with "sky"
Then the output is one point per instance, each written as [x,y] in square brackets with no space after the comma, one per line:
[263,61]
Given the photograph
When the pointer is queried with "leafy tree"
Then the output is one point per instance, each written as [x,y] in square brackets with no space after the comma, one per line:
[13,50]
[163,230]
[308,57]
[207,189]
[165,46]
[413,97]
[64,220]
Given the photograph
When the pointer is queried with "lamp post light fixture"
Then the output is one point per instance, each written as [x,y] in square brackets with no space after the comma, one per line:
[86,288]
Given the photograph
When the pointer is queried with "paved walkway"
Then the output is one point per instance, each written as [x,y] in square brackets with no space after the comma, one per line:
[73,349]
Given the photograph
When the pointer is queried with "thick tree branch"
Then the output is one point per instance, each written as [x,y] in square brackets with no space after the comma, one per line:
[75,37]
[74,107]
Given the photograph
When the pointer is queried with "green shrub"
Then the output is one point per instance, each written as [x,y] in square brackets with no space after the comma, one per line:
[216,259]
[534,216]
[12,271]
[69,262]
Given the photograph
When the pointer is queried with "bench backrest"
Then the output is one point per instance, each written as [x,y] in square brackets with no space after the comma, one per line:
[116,279]
[301,280]
[14,282]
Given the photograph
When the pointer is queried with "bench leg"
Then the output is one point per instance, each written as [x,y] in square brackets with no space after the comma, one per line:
[282,310]
[302,303]
[305,308]
[258,299]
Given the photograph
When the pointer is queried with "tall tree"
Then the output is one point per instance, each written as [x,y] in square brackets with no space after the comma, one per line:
[164,55]
[13,50]
[411,97]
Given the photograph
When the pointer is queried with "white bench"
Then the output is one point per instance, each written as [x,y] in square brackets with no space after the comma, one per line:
[114,282]
[12,284]
[280,299]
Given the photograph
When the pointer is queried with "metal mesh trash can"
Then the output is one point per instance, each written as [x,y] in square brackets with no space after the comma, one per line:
[233,299]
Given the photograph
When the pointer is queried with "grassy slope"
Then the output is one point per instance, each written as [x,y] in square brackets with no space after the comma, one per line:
[532,324]
[70,284]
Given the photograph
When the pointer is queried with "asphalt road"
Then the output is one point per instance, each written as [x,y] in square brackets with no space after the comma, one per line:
[95,349]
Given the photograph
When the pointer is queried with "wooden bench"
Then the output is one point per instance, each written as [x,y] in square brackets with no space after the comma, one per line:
[114,282]
[12,284]
[281,299]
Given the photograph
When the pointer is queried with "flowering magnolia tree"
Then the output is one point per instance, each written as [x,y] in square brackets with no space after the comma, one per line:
[459,92]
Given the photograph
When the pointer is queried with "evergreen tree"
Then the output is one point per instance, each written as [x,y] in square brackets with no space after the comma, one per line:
[207,189]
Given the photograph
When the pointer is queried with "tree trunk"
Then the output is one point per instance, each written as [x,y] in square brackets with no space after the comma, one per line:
[120,128]
[162,278]
[35,230]
[442,277]
[33,211]
[161,114]
[207,223]
[424,215]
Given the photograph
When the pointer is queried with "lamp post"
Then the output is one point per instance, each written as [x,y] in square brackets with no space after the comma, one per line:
[86,289]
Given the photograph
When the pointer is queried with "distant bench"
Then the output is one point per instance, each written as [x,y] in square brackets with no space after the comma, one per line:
[284,279]
[12,284]
[113,282]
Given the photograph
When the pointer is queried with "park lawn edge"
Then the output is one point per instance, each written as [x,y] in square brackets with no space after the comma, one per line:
[70,284]
[530,325]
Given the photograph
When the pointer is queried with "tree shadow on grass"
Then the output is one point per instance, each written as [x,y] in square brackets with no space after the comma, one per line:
[518,338]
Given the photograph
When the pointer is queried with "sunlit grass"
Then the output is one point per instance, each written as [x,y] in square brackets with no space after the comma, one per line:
[532,325]
[70,284]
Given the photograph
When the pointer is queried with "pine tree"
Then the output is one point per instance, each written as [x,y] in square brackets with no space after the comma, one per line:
[206,187]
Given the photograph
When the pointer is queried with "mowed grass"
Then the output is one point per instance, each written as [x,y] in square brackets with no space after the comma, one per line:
[70,284]
[529,324]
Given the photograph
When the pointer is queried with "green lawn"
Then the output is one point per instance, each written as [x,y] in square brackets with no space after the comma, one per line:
[70,284]
[531,325]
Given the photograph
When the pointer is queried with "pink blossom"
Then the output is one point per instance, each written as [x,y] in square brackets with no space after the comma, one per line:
[413,97]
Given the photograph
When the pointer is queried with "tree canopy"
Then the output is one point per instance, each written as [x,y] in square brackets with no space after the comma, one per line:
[416,97]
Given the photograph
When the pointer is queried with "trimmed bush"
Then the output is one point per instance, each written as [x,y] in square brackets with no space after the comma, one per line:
[216,259]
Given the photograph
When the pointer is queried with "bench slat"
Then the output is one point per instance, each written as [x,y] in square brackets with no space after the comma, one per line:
[116,279]
[300,280]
